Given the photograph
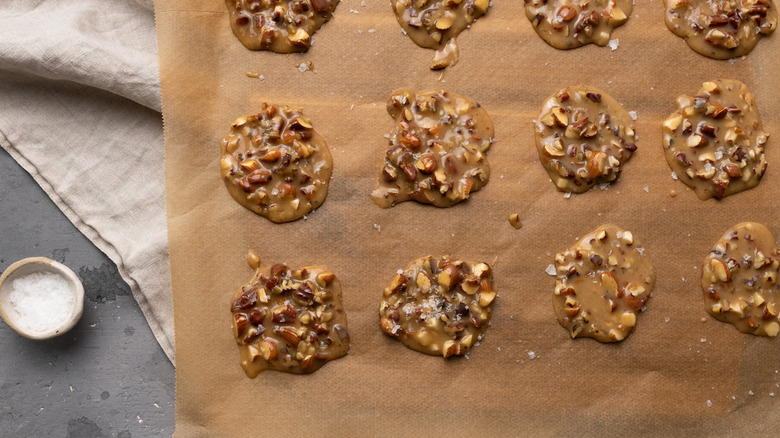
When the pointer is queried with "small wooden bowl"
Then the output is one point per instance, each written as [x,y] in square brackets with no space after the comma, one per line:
[30,266]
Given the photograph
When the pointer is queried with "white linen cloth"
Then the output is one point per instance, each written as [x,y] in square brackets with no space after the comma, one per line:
[80,111]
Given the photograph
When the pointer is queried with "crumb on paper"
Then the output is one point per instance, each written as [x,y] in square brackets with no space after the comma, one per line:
[667,319]
[514,220]
[709,403]
[550,270]
[354,11]
[703,340]
[633,115]
[613,44]
[378,228]
[306,66]
[531,355]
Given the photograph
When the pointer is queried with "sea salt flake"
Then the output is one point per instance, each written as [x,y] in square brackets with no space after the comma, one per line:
[632,114]
[709,403]
[613,44]
[531,355]
[550,269]
[41,301]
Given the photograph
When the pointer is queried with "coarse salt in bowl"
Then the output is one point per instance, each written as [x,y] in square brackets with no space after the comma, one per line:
[40,298]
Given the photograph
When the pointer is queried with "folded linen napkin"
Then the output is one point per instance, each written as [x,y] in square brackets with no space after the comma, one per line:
[80,111]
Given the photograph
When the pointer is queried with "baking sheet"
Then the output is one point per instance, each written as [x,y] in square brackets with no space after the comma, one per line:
[674,375]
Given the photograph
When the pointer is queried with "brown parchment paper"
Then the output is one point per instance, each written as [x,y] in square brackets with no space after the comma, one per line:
[675,375]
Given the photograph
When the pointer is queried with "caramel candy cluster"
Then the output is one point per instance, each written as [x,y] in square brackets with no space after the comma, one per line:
[721,29]
[275,164]
[567,24]
[281,26]
[583,137]
[437,152]
[714,142]
[739,280]
[435,24]
[439,306]
[602,283]
[289,320]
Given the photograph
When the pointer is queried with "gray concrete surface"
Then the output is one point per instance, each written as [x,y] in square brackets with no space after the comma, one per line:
[107,377]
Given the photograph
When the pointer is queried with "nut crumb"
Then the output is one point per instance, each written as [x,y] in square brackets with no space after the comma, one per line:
[514,219]
[672,193]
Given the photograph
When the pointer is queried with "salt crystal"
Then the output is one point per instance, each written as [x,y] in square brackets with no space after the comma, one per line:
[709,403]
[399,272]
[613,44]
[41,301]
[646,189]
[632,114]
[674,175]
[750,393]
[378,228]
[567,195]
[303,67]
[550,269]
[703,340]
[531,355]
